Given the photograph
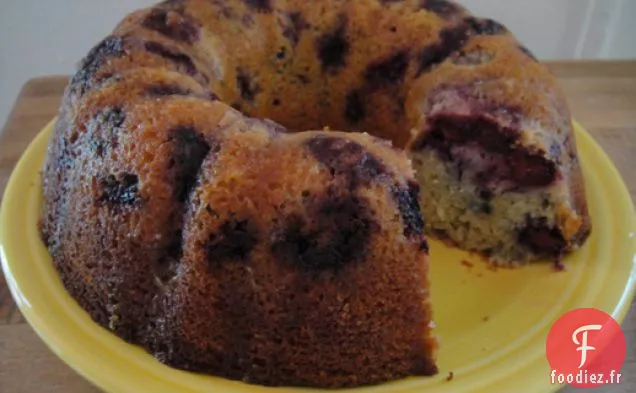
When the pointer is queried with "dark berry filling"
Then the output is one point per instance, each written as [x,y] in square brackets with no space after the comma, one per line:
[293,25]
[333,47]
[105,133]
[407,199]
[486,26]
[247,87]
[338,233]
[248,20]
[189,151]
[172,25]
[541,238]
[120,192]
[111,46]
[489,150]
[347,159]
[223,8]
[260,5]
[443,8]
[486,195]
[282,52]
[234,242]
[180,59]
[173,89]
[354,107]
[303,79]
[390,70]
[159,90]
[113,116]
[451,39]
[531,170]
[481,207]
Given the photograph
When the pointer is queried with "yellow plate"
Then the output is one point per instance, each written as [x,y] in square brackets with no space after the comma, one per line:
[493,324]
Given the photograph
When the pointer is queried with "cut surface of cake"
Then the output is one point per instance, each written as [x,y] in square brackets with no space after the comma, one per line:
[495,153]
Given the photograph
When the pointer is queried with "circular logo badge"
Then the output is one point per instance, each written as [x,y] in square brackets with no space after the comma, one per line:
[586,349]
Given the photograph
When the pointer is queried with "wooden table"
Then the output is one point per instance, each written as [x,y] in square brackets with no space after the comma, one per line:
[602,96]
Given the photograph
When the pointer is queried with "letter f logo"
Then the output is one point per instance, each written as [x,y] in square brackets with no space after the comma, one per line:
[590,339]
[583,344]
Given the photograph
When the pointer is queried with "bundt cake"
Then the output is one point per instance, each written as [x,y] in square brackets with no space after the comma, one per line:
[198,203]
